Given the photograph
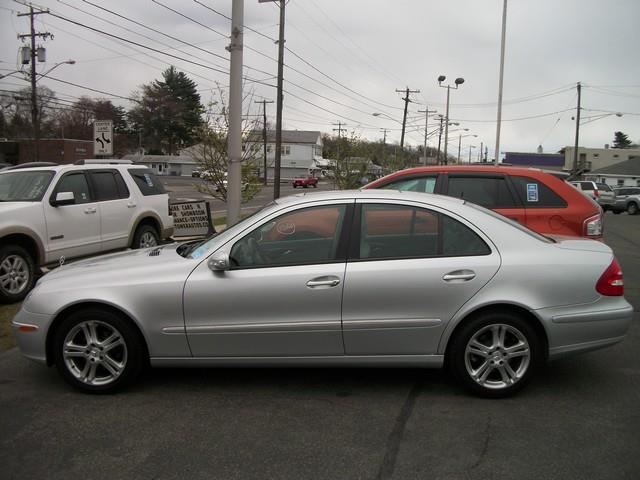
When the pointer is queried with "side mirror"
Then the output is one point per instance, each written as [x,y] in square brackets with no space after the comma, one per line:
[63,198]
[219,262]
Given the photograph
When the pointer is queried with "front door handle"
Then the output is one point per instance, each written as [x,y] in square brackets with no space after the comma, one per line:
[131,205]
[90,210]
[459,276]
[329,281]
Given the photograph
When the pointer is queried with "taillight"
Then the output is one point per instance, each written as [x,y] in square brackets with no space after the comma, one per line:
[596,193]
[592,226]
[611,283]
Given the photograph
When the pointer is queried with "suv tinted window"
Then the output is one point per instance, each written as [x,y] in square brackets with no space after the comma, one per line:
[398,231]
[604,186]
[76,183]
[490,192]
[535,194]
[146,181]
[586,185]
[306,236]
[416,184]
[107,187]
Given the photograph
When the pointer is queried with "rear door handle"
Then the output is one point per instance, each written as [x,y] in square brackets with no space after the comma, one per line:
[329,281]
[90,210]
[131,205]
[459,276]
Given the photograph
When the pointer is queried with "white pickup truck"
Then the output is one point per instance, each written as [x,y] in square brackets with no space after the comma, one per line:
[49,213]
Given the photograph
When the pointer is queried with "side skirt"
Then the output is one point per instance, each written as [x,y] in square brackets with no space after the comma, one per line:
[428,361]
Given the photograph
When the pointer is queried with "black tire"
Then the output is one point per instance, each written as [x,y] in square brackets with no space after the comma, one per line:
[144,234]
[17,273]
[305,186]
[71,369]
[616,212]
[294,185]
[632,208]
[315,185]
[494,385]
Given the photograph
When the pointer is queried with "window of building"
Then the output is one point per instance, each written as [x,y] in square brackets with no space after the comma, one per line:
[620,182]
[305,236]
[268,148]
[285,150]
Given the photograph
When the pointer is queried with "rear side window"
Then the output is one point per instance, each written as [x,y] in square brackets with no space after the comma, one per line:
[490,192]
[535,194]
[146,181]
[421,184]
[586,185]
[108,185]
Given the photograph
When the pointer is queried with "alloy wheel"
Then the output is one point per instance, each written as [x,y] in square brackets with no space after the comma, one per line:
[497,356]
[147,240]
[14,274]
[95,353]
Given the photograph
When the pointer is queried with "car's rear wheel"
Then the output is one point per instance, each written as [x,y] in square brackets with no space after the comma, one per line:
[146,236]
[17,273]
[97,351]
[632,208]
[495,354]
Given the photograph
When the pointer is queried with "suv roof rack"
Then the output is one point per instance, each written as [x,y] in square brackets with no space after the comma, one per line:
[103,161]
[32,165]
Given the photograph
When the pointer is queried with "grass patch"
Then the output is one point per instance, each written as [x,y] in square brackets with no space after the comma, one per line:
[6,315]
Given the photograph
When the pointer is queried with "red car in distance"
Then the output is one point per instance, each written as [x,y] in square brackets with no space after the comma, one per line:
[305,182]
[532,197]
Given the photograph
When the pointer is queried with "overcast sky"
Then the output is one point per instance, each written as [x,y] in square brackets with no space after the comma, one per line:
[358,52]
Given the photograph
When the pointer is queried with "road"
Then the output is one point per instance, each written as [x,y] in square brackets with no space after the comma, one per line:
[578,419]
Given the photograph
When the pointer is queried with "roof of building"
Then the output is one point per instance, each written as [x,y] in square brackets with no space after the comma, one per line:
[288,136]
[535,159]
[629,167]
[173,159]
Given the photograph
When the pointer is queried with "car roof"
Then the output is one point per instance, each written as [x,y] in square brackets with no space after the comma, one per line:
[381,194]
[71,166]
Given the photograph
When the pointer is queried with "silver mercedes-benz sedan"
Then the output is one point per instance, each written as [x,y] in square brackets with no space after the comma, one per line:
[365,278]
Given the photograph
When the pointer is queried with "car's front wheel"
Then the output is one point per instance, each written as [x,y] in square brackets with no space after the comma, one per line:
[632,208]
[97,351]
[146,236]
[17,273]
[495,354]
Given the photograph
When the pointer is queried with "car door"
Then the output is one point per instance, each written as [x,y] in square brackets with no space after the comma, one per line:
[410,269]
[490,190]
[114,203]
[72,230]
[283,292]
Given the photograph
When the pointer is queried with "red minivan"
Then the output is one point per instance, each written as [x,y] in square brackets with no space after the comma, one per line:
[537,199]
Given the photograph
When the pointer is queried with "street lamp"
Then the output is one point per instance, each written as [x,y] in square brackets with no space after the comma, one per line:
[458,81]
[460,137]
[66,62]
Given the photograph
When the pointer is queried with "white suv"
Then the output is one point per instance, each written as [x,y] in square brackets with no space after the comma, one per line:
[49,213]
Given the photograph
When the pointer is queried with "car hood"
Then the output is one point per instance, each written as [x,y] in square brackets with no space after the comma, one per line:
[12,207]
[129,266]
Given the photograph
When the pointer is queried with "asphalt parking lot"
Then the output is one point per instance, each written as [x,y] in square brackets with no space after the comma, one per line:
[578,419]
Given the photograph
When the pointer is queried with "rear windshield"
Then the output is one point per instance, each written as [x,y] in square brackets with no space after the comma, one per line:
[146,181]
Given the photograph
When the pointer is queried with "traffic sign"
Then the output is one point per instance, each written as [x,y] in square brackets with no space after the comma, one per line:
[103,137]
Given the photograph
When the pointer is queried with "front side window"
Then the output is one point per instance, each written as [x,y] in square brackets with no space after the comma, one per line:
[422,184]
[305,236]
[399,231]
[24,186]
[490,192]
[76,183]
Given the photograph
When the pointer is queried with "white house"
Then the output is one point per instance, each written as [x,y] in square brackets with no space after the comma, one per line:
[591,159]
[175,165]
[624,174]
[301,151]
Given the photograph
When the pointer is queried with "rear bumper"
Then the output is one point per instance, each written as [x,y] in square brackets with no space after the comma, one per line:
[578,329]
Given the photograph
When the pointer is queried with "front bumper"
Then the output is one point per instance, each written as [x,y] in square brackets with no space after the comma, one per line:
[32,342]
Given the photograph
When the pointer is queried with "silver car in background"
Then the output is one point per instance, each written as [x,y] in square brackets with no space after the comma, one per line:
[366,278]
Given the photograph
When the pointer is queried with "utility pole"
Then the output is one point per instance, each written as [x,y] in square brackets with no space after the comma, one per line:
[264,134]
[440,137]
[575,146]
[384,143]
[404,118]
[234,190]
[459,145]
[504,34]
[426,122]
[34,97]
[481,152]
[339,130]
[278,152]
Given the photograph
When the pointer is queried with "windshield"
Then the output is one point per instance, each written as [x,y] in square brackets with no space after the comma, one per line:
[24,186]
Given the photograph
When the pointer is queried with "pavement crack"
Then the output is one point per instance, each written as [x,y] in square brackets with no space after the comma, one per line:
[395,437]
[485,445]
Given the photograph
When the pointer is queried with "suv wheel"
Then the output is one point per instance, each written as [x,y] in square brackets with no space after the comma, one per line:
[632,208]
[17,273]
[97,351]
[145,237]
[495,354]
